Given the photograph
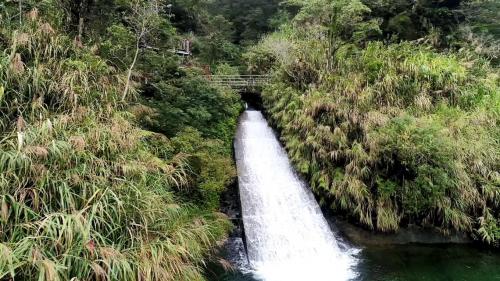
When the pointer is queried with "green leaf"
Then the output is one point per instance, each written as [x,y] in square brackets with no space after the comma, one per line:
[2,92]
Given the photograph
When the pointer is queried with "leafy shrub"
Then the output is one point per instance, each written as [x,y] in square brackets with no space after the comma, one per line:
[85,193]
[395,134]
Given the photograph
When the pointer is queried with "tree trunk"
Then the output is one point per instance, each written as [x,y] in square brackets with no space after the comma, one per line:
[20,12]
[131,68]
[329,52]
[81,19]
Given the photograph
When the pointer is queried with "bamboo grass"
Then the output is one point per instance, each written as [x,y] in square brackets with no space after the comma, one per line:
[84,194]
[395,134]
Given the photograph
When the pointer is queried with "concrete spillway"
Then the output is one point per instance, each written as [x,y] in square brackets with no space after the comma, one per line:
[287,236]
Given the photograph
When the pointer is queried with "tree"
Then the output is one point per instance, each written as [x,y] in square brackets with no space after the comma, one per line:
[216,45]
[483,16]
[343,21]
[143,19]
[251,18]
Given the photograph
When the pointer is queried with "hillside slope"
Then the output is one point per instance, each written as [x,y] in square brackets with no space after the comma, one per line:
[87,192]
[388,132]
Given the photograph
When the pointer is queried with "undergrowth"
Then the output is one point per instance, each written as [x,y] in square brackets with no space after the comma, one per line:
[389,134]
[85,192]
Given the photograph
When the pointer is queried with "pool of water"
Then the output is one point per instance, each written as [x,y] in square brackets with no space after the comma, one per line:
[417,263]
[428,263]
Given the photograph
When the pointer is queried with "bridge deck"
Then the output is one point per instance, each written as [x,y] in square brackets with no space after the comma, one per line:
[239,81]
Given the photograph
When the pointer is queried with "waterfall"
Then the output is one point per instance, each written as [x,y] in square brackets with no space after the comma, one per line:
[288,239]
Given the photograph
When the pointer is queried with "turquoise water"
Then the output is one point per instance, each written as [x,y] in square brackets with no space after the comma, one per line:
[418,263]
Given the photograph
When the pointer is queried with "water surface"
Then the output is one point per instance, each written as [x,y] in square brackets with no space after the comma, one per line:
[417,263]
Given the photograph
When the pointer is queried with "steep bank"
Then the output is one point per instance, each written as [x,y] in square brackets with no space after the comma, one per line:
[388,134]
[96,182]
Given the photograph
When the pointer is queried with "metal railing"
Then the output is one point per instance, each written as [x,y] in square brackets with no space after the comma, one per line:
[239,81]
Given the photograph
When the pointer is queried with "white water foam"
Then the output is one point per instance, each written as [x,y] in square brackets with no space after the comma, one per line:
[288,238]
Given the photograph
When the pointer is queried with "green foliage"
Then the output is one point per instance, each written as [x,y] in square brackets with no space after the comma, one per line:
[216,44]
[483,16]
[213,170]
[389,134]
[251,18]
[344,20]
[120,43]
[85,193]
[259,60]
[191,102]
[225,69]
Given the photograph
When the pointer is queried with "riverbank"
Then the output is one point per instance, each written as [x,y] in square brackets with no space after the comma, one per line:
[390,134]
[412,254]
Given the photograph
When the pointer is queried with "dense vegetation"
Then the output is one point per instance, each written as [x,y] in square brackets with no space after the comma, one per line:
[112,154]
[114,151]
[391,109]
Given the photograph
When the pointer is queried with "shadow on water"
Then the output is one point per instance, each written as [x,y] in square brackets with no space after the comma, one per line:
[417,262]
[432,262]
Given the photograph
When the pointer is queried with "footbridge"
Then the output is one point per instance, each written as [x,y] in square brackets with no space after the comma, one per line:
[239,82]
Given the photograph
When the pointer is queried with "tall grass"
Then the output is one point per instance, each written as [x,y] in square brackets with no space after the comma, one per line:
[85,194]
[396,134]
